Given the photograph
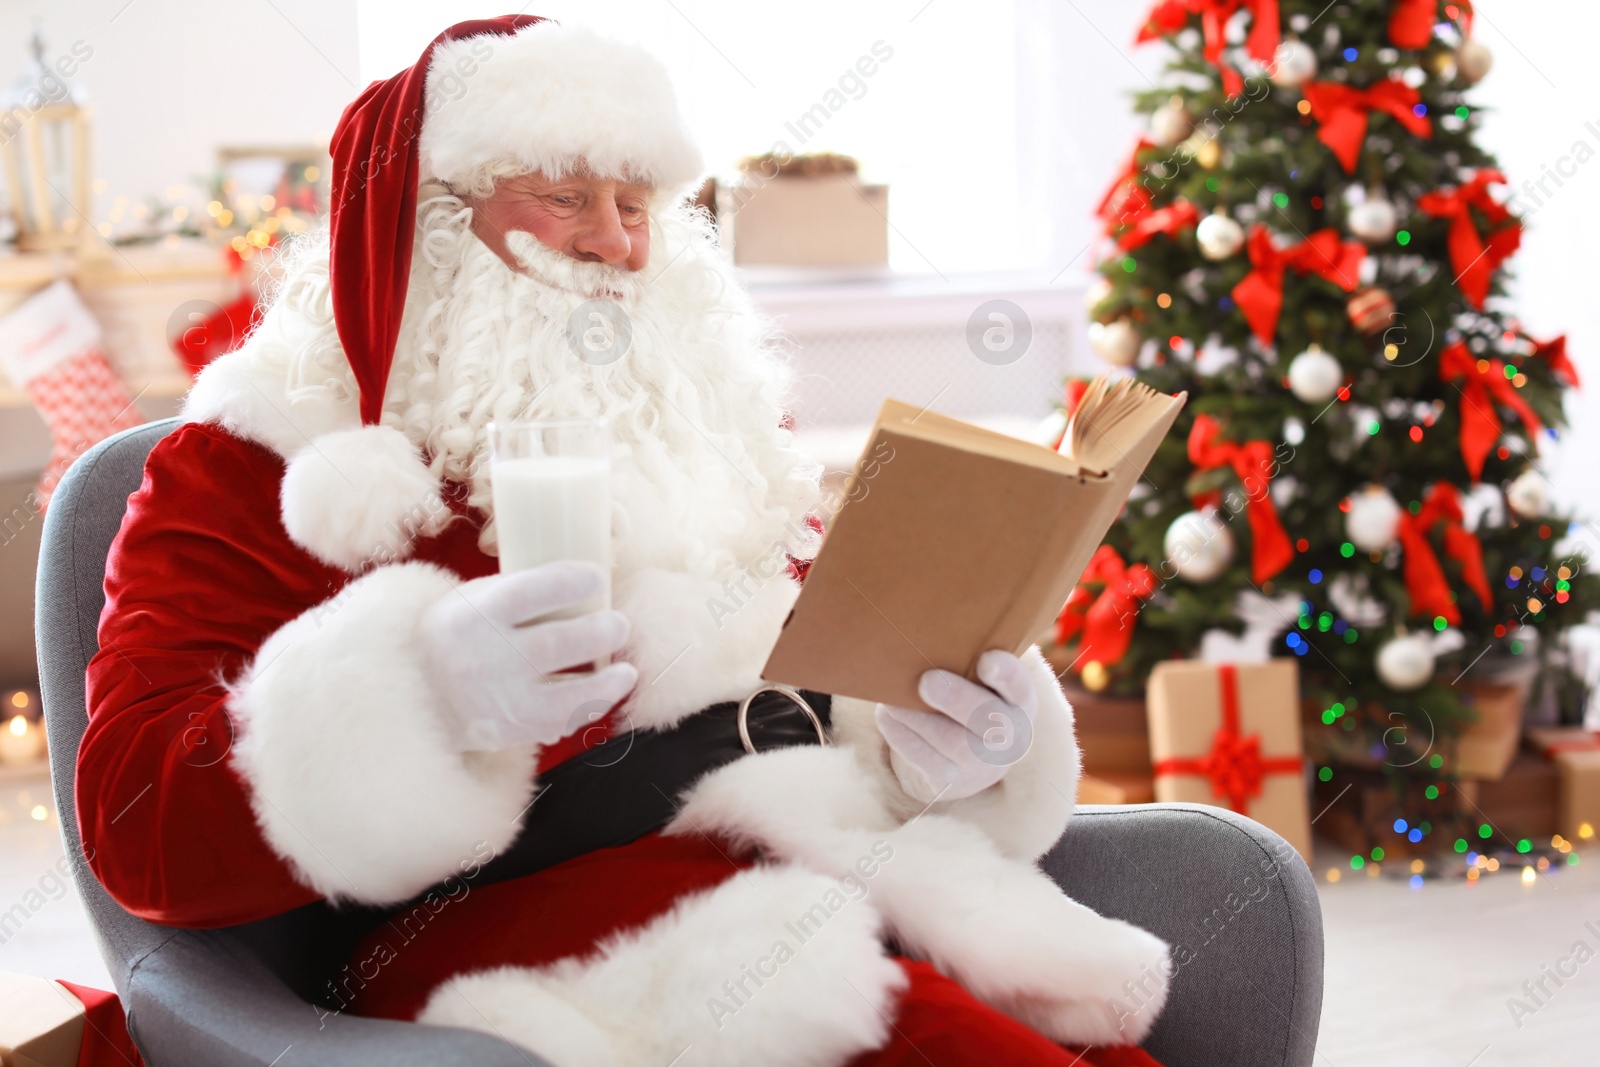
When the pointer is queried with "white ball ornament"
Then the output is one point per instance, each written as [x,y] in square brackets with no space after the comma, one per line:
[1474,61]
[1529,495]
[1118,343]
[1294,65]
[1171,123]
[1374,220]
[1373,521]
[1406,662]
[1097,291]
[1199,545]
[1315,376]
[1219,236]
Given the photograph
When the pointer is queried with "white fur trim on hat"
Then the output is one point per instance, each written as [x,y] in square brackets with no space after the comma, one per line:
[356,498]
[551,95]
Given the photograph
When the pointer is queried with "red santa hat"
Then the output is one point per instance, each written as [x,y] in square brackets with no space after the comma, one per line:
[517,90]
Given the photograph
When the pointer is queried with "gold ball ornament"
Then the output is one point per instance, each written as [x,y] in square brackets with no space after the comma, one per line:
[1474,61]
[1095,676]
[1118,343]
[1171,123]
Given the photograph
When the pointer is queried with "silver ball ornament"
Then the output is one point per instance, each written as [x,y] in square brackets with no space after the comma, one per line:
[1405,662]
[1315,376]
[1294,64]
[1118,343]
[1219,236]
[1373,522]
[1199,545]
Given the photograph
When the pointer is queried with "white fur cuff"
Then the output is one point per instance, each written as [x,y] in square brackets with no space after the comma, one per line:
[353,778]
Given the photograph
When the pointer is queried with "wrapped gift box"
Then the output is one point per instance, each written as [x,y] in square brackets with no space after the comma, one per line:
[1115,787]
[1113,732]
[1229,734]
[1522,802]
[826,220]
[1575,754]
[59,1024]
[1487,745]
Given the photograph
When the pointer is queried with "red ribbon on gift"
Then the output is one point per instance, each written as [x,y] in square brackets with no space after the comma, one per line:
[1480,390]
[1555,352]
[1234,764]
[1127,198]
[1424,575]
[1588,742]
[1170,16]
[1252,462]
[1171,220]
[1344,111]
[1106,621]
[1472,258]
[1260,294]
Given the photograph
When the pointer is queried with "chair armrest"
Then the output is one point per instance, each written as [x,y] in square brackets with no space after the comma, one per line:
[203,999]
[1240,909]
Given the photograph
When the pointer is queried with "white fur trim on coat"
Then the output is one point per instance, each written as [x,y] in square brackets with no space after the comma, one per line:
[996,924]
[776,966]
[359,497]
[693,644]
[1027,811]
[245,393]
[549,96]
[353,779]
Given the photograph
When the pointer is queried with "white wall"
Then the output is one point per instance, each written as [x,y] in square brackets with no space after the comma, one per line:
[170,80]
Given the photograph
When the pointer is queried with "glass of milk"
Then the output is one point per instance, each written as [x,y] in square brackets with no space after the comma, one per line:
[552,497]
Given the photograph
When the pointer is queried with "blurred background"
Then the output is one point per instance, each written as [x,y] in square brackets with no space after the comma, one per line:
[191,145]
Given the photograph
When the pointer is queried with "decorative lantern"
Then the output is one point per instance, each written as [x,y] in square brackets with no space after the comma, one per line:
[44,141]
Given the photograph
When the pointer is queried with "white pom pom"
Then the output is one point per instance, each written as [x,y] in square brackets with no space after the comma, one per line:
[360,497]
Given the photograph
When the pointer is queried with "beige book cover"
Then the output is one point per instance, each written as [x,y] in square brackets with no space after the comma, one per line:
[955,539]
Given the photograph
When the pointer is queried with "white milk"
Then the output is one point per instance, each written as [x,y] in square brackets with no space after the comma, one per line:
[550,508]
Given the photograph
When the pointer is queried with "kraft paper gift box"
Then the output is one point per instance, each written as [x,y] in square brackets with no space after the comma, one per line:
[59,1024]
[1576,755]
[1113,732]
[1229,735]
[1522,802]
[1115,787]
[827,220]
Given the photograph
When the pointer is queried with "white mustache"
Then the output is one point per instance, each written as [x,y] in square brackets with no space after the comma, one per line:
[591,281]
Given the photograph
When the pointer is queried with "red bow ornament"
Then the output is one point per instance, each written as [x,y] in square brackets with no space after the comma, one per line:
[1555,352]
[1171,220]
[1424,575]
[1474,259]
[1170,16]
[1481,389]
[1106,621]
[1344,111]
[1253,462]
[1234,765]
[1260,294]
[1127,198]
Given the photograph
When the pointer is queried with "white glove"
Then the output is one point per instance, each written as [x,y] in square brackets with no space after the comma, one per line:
[495,674]
[977,735]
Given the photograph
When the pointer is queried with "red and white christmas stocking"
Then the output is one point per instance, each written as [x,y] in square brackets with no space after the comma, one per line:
[50,347]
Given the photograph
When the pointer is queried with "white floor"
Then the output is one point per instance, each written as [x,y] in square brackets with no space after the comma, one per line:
[1415,977]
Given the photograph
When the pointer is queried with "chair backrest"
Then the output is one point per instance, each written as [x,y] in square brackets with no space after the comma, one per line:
[84,516]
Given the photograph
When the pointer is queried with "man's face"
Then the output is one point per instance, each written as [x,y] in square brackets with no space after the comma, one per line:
[589,219]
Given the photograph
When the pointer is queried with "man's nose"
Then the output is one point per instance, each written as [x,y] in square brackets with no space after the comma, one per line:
[603,238]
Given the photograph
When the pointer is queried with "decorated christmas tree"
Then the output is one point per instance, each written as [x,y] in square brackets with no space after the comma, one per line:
[1310,242]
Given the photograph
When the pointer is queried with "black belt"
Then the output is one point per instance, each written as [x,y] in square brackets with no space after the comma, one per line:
[630,785]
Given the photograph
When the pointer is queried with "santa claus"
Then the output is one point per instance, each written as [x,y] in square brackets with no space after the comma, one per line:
[315,684]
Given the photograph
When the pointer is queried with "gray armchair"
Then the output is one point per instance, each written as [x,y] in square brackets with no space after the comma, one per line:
[1228,891]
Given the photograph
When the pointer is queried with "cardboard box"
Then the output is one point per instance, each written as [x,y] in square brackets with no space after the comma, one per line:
[1522,802]
[831,220]
[1113,732]
[1575,754]
[1112,787]
[1229,735]
[41,1023]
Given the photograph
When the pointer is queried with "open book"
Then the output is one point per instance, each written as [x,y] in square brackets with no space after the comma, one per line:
[955,539]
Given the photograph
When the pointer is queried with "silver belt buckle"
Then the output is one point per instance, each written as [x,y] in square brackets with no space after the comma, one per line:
[784,690]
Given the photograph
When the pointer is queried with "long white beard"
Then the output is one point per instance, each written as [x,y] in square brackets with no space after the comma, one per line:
[706,481]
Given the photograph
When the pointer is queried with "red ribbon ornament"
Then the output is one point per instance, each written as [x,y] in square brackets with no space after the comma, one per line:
[1480,391]
[1171,220]
[1424,575]
[1105,622]
[1170,16]
[1252,461]
[1234,765]
[1344,111]
[1472,258]
[1260,294]
[1555,352]
[1127,198]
